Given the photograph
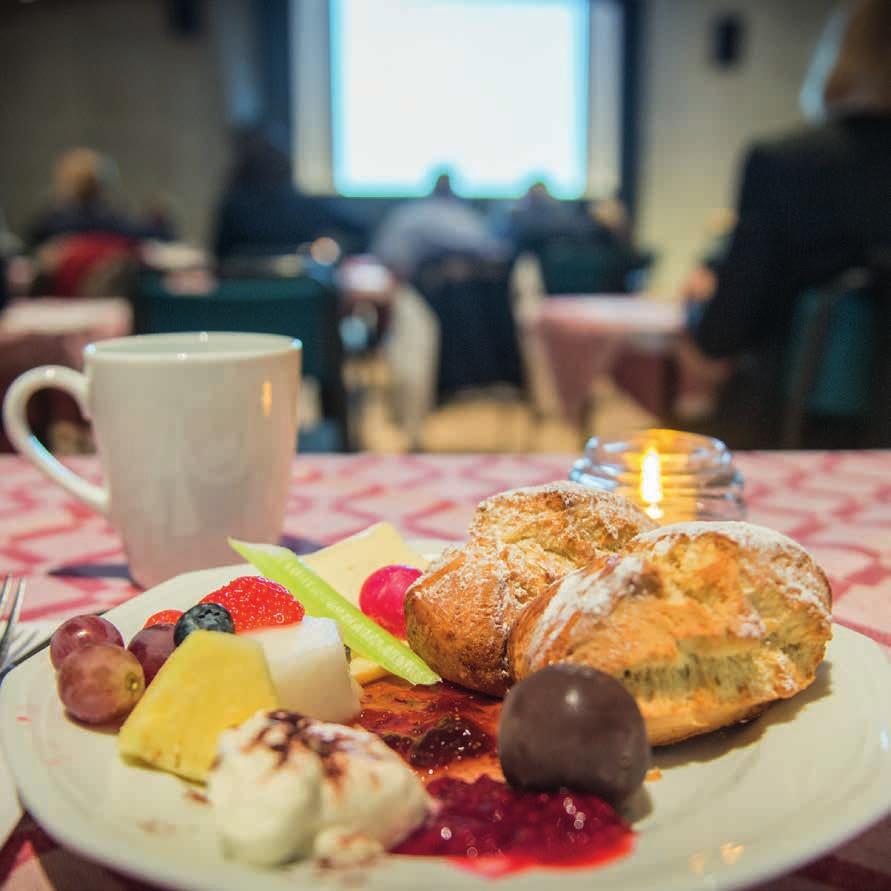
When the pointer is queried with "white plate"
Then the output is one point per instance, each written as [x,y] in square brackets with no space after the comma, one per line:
[730,809]
[27,636]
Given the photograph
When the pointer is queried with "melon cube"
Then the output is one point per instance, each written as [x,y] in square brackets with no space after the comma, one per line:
[310,670]
[212,681]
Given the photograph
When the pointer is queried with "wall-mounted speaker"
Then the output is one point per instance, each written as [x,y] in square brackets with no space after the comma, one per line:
[728,36]
[184,17]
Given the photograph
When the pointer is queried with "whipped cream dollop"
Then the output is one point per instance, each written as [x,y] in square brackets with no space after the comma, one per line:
[286,787]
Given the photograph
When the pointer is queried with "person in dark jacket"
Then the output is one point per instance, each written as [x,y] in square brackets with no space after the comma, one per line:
[813,204]
[263,212]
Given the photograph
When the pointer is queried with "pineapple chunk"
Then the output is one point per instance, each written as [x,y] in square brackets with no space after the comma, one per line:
[346,564]
[211,682]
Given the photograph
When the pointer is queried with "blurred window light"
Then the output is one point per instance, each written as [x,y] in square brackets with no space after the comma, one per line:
[500,92]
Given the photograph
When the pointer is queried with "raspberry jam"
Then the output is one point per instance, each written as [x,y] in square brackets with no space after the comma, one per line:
[449,736]
[487,827]
[438,730]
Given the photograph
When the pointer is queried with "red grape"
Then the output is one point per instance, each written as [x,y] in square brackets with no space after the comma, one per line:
[151,647]
[100,682]
[382,597]
[80,631]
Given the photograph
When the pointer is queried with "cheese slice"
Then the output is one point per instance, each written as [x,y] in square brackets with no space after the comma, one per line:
[346,564]
[364,671]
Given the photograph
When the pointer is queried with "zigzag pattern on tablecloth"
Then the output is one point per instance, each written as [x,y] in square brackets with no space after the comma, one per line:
[836,504]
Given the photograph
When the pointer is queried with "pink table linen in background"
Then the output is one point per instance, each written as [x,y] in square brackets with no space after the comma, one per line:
[87,318]
[837,504]
[54,331]
[588,336]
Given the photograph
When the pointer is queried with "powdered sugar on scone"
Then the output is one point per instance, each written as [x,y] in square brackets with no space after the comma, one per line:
[703,623]
[460,612]
[615,515]
[591,591]
[751,626]
[746,535]
[792,566]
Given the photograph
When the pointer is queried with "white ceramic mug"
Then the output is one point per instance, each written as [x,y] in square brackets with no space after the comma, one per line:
[195,432]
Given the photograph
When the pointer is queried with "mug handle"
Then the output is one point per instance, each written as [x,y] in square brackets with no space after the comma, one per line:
[15,419]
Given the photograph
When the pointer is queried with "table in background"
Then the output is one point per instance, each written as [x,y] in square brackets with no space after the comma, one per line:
[362,278]
[630,338]
[368,291]
[837,504]
[54,331]
[83,318]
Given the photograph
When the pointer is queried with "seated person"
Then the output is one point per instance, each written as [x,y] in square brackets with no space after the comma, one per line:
[263,212]
[441,223]
[538,215]
[812,204]
[82,203]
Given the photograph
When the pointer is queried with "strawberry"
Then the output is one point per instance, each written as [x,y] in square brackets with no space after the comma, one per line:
[165,617]
[255,602]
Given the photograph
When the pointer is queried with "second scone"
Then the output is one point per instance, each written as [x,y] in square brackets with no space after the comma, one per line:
[460,612]
[705,624]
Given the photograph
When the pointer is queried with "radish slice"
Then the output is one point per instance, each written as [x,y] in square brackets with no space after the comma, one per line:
[359,633]
[382,596]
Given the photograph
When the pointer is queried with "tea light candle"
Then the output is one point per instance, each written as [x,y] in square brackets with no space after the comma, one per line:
[651,483]
[672,475]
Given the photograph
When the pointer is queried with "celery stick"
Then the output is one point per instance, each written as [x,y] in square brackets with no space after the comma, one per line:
[360,633]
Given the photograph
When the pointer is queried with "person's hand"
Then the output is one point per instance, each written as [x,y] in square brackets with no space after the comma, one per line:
[699,286]
[699,380]
[696,365]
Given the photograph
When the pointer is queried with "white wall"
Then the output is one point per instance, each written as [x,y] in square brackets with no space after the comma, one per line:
[111,75]
[697,119]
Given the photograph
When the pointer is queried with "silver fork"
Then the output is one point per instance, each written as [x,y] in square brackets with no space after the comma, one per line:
[15,589]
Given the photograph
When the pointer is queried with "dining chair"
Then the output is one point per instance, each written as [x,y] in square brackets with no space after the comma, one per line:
[831,358]
[470,297]
[87,264]
[824,380]
[588,266]
[297,307]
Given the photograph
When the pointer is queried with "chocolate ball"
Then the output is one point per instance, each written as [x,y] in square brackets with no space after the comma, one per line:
[573,726]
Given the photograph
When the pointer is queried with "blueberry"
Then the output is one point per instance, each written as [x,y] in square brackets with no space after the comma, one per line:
[207,616]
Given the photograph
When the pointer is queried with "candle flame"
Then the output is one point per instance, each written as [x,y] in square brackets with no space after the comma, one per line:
[651,483]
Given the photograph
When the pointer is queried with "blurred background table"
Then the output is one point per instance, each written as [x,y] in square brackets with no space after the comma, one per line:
[630,338]
[837,504]
[54,331]
[90,319]
[364,279]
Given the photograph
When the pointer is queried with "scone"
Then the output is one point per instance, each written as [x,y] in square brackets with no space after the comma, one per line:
[704,623]
[460,612]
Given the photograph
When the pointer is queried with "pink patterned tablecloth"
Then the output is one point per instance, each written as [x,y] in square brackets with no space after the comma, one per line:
[838,505]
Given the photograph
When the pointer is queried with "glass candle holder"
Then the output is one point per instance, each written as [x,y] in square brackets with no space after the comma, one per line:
[674,476]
